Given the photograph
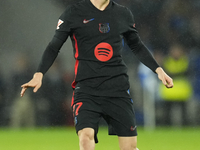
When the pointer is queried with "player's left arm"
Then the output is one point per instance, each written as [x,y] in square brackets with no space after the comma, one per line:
[142,52]
[144,55]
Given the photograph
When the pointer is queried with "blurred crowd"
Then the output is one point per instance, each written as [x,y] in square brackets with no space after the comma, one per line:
[50,106]
[169,28]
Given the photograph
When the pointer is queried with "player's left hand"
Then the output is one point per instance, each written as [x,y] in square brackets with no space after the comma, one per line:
[166,80]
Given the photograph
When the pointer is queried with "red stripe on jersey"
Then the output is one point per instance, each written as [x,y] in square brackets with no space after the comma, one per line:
[76,66]
[76,46]
[72,103]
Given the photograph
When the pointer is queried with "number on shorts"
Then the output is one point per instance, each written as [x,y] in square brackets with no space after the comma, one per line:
[76,109]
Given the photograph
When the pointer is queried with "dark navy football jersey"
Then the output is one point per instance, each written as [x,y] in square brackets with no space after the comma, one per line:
[97,41]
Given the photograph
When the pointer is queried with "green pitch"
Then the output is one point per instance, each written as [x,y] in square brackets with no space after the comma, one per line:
[66,139]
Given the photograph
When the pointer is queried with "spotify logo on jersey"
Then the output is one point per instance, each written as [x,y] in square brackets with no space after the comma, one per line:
[103,51]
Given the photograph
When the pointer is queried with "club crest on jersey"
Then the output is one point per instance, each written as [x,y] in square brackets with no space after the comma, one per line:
[104,27]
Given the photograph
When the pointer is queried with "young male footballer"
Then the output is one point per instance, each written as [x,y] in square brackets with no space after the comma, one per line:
[101,85]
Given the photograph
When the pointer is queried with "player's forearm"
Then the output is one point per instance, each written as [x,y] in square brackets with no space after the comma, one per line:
[48,58]
[146,58]
[50,55]
[140,50]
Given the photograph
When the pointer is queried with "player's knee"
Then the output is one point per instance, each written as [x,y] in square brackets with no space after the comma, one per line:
[128,143]
[86,136]
[128,147]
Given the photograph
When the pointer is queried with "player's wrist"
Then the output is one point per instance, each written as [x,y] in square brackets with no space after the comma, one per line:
[159,70]
[38,75]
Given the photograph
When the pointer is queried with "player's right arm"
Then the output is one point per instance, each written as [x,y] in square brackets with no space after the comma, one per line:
[51,52]
[47,60]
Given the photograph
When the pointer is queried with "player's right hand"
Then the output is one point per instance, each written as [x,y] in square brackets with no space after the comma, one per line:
[35,82]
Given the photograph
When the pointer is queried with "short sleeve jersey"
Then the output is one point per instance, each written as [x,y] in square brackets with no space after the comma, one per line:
[97,42]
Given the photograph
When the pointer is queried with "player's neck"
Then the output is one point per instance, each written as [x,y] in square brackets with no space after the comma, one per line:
[100,4]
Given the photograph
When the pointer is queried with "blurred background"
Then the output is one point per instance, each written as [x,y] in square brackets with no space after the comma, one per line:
[169,28]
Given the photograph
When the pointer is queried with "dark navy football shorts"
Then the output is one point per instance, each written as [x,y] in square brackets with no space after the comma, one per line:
[117,112]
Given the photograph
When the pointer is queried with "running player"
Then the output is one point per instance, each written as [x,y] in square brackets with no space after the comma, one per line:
[101,86]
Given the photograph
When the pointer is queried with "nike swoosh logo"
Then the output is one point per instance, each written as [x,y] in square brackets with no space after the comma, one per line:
[86,21]
[133,128]
[77,88]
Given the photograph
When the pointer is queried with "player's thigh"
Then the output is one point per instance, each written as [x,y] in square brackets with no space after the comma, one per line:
[120,117]
[87,114]
[85,117]
[128,143]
